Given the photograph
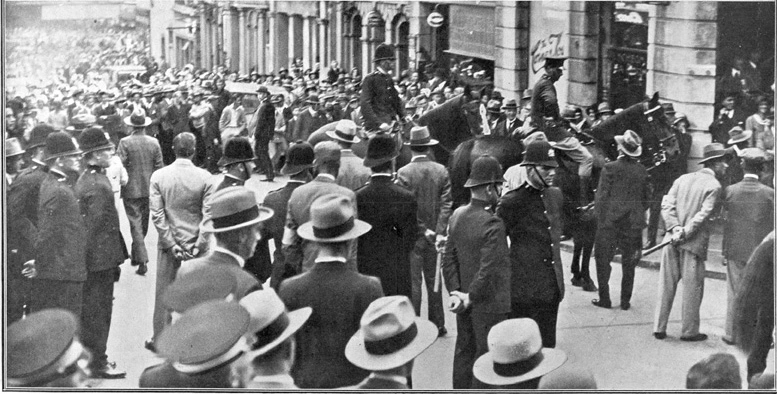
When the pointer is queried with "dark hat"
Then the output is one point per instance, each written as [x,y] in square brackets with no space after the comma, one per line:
[527,93]
[668,108]
[539,153]
[60,144]
[332,220]
[236,150]
[380,149]
[384,52]
[493,107]
[138,118]
[713,151]
[345,131]
[198,286]
[277,99]
[205,337]
[630,143]
[495,95]
[485,170]
[604,108]
[93,139]
[420,136]
[510,104]
[737,134]
[232,208]
[262,89]
[42,346]
[271,324]
[312,99]
[554,60]
[13,147]
[81,122]
[299,157]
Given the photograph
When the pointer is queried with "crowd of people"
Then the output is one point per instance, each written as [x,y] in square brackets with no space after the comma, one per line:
[355,238]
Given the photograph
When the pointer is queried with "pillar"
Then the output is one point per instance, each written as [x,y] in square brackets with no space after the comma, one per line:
[292,39]
[416,21]
[511,66]
[261,42]
[228,26]
[582,65]
[339,37]
[307,43]
[203,41]
[241,33]
[366,53]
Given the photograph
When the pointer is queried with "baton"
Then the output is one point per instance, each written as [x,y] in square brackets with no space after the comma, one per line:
[657,247]
[437,271]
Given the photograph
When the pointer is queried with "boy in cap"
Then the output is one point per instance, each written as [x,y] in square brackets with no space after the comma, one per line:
[339,296]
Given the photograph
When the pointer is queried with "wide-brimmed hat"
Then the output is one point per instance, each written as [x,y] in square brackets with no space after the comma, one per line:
[312,99]
[713,151]
[81,122]
[510,104]
[515,354]
[236,150]
[198,286]
[332,220]
[13,147]
[753,155]
[390,335]
[630,143]
[60,144]
[345,131]
[299,157]
[539,153]
[271,324]
[207,336]
[485,170]
[138,118]
[679,117]
[604,108]
[420,136]
[668,108]
[737,134]
[380,149]
[384,52]
[232,208]
[42,346]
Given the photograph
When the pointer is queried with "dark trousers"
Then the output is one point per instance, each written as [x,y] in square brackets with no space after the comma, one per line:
[471,343]
[544,314]
[47,294]
[263,161]
[137,211]
[200,154]
[16,297]
[423,263]
[581,259]
[607,244]
[260,264]
[96,315]
[761,343]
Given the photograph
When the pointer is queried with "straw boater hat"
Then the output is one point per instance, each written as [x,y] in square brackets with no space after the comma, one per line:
[604,108]
[299,157]
[713,151]
[233,208]
[332,220]
[138,118]
[198,286]
[345,131]
[236,150]
[59,144]
[510,104]
[485,170]
[380,149]
[737,134]
[630,143]
[419,136]
[271,324]
[515,354]
[390,335]
[13,147]
[94,139]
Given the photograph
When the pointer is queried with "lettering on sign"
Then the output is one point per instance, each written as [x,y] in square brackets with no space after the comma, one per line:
[550,46]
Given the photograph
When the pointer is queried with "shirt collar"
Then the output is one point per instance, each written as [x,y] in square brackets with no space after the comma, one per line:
[183,161]
[228,252]
[283,379]
[384,376]
[419,158]
[312,111]
[327,176]
[381,175]
[331,258]
[382,71]
[751,176]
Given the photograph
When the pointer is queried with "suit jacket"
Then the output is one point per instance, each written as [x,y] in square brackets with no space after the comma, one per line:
[106,249]
[544,101]
[723,123]
[298,253]
[178,117]
[264,117]
[111,122]
[60,246]
[431,185]
[622,196]
[141,155]
[384,251]
[339,297]
[307,123]
[165,376]
[246,283]
[689,203]
[749,208]
[505,130]
[278,201]
[379,100]
[353,174]
[476,259]
[23,197]
[373,382]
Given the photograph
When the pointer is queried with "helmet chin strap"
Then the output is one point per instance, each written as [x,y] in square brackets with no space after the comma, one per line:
[544,184]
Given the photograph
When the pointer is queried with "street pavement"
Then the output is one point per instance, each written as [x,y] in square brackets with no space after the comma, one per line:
[617,346]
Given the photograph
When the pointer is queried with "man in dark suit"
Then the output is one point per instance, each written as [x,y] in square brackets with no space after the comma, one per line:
[748,207]
[108,117]
[106,250]
[392,211]
[338,296]
[141,155]
[622,197]
[510,123]
[264,133]
[729,116]
[476,268]
[178,113]
[310,119]
[380,103]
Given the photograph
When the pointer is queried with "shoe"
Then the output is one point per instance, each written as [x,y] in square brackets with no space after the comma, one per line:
[695,338]
[142,269]
[602,304]
[727,341]
[589,285]
[134,263]
[625,305]
[441,331]
[108,371]
[150,345]
[659,335]
[576,281]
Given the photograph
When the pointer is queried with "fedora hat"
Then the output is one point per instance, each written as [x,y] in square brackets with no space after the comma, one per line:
[232,208]
[630,143]
[299,157]
[207,336]
[81,122]
[569,112]
[713,151]
[271,324]
[390,335]
[138,118]
[539,153]
[737,134]
[13,147]
[380,149]
[527,93]
[262,89]
[515,354]
[384,52]
[312,99]
[485,169]
[419,136]
[332,220]
[60,144]
[94,139]
[198,286]
[510,104]
[753,155]
[668,109]
[493,107]
[345,131]
[236,150]
[42,347]
[678,117]
[604,108]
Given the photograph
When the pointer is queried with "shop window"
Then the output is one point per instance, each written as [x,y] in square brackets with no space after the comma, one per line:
[628,54]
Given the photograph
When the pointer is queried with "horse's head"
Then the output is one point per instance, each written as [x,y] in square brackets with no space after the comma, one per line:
[471,103]
[456,120]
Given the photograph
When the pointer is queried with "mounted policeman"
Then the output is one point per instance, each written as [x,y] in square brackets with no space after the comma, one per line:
[380,103]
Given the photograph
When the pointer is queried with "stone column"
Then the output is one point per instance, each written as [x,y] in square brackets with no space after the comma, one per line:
[308,42]
[582,71]
[293,22]
[366,52]
[241,33]
[203,41]
[229,55]
[261,42]
[339,38]
[272,28]
[511,66]
[416,20]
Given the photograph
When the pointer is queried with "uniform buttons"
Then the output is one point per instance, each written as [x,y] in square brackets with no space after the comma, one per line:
[545,212]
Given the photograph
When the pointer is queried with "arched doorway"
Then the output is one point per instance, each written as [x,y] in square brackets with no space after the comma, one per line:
[400,28]
[355,43]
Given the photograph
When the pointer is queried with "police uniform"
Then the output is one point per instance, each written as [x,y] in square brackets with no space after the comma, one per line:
[380,102]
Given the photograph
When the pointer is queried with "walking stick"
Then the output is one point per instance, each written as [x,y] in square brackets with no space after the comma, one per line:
[438,272]
[657,247]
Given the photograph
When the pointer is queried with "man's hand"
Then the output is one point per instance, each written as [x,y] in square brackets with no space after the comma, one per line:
[440,242]
[678,235]
[385,127]
[459,301]
[429,235]
[29,271]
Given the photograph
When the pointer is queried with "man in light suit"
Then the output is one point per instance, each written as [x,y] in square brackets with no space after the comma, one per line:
[353,174]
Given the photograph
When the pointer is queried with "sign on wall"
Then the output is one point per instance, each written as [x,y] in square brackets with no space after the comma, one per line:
[549,35]
[472,30]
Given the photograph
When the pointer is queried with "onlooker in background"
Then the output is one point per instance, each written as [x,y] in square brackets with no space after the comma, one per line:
[719,371]
[14,159]
[279,145]
[511,121]
[759,122]
[310,119]
[264,117]
[730,115]
[200,115]
[58,118]
[233,119]
[605,112]
[352,174]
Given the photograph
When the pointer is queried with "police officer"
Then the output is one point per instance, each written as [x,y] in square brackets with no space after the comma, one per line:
[380,103]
